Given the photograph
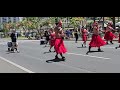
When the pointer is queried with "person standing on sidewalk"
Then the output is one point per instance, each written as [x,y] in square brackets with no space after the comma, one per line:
[96,40]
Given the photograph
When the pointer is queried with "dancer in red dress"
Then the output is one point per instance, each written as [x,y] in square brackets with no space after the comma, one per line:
[96,40]
[109,36]
[59,44]
[52,38]
[118,41]
[84,36]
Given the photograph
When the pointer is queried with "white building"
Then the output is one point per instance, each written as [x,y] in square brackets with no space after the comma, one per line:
[9,19]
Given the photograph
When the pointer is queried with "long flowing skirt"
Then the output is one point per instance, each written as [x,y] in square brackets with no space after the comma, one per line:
[59,46]
[109,36]
[96,41]
[84,37]
[52,42]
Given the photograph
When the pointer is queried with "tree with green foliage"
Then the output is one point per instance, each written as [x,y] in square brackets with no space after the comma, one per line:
[75,21]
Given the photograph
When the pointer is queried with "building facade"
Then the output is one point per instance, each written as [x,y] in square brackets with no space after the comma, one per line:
[9,19]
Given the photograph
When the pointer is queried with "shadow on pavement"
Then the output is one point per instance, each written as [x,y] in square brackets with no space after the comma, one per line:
[45,46]
[54,60]
[48,52]
[93,52]
[8,52]
[81,47]
[109,44]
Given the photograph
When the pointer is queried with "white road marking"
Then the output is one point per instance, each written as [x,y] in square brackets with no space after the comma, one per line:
[108,47]
[88,56]
[29,71]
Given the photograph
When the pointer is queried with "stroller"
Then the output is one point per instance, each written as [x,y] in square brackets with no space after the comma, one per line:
[10,47]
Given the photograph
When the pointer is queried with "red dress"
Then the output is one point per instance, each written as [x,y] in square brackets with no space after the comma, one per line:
[96,40]
[119,38]
[84,36]
[59,45]
[52,40]
[109,35]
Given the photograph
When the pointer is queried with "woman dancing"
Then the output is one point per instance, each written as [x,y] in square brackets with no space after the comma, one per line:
[59,44]
[118,41]
[52,39]
[109,36]
[84,36]
[96,40]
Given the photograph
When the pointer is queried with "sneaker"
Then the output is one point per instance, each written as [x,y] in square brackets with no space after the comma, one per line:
[18,51]
[85,46]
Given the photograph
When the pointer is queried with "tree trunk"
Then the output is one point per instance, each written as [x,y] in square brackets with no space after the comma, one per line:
[113,19]
[94,19]
[103,22]
[118,19]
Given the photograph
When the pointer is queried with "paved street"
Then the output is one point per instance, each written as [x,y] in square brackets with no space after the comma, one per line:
[34,58]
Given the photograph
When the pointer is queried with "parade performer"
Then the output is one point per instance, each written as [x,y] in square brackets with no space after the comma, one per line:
[52,38]
[84,36]
[96,40]
[109,36]
[118,41]
[59,44]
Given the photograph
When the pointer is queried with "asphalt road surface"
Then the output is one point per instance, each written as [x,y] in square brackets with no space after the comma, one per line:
[35,58]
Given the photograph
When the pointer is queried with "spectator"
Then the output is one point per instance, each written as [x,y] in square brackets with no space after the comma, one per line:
[46,34]
[76,36]
[14,37]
